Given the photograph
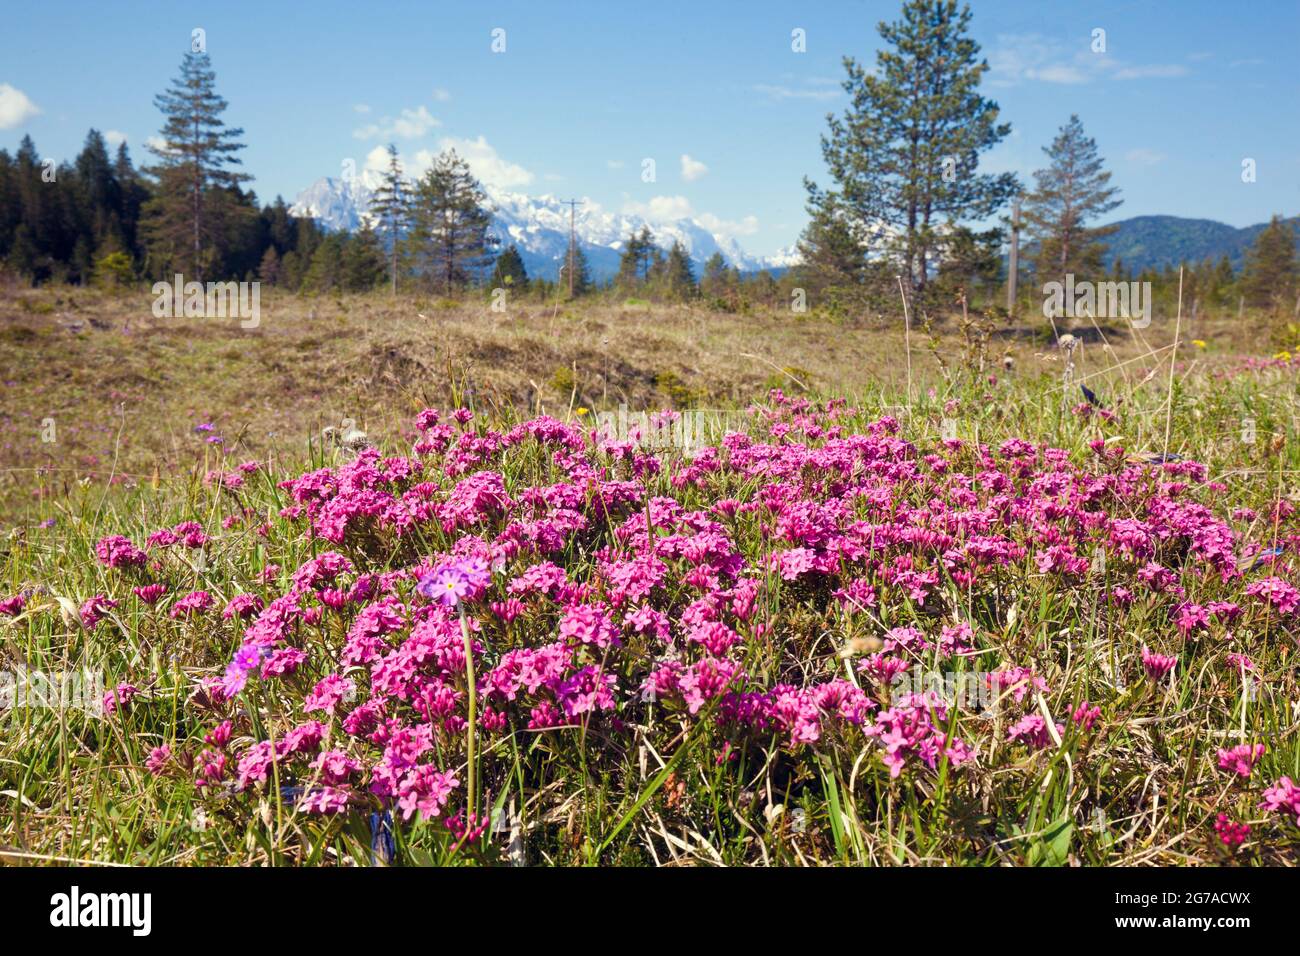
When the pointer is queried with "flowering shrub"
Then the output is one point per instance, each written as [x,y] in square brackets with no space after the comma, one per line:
[534,614]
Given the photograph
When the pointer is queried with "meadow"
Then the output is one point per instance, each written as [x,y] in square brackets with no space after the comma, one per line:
[370,585]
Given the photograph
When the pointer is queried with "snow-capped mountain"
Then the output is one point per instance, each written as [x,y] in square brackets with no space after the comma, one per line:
[539,227]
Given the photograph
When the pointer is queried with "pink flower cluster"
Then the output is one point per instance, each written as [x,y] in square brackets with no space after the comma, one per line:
[606,590]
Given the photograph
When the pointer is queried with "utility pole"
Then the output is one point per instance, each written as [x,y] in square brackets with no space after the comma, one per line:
[573,205]
[1013,263]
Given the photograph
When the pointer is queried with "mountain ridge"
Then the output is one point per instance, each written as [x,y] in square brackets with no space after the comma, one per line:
[539,227]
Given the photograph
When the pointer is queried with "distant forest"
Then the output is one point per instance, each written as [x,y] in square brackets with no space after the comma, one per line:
[888,217]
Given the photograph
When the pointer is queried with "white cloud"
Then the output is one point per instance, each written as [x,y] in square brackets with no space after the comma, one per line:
[778,92]
[441,95]
[614,163]
[1155,70]
[361,108]
[692,169]
[377,160]
[1018,57]
[1144,156]
[486,165]
[722,227]
[157,143]
[666,209]
[114,137]
[660,208]
[15,107]
[411,124]
[1057,73]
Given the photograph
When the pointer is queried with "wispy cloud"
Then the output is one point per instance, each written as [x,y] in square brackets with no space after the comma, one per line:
[15,107]
[668,209]
[780,92]
[1145,156]
[114,137]
[1030,57]
[441,95]
[411,124]
[486,163]
[1160,70]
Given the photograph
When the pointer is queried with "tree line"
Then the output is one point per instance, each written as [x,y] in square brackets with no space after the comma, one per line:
[903,160]
[903,206]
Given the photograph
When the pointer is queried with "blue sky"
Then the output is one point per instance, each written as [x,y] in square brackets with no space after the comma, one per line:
[584,92]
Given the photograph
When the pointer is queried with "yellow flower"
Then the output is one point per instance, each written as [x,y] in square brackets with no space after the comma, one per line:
[1284,356]
[1199,343]
[582,410]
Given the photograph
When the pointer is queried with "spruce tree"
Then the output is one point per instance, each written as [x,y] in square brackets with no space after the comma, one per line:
[364,263]
[582,283]
[509,271]
[832,249]
[449,240]
[904,155]
[639,258]
[679,276]
[390,208]
[191,216]
[1072,191]
[1269,271]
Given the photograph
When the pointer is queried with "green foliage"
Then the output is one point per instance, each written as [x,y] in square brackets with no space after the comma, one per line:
[1072,191]
[1269,276]
[904,156]
[449,242]
[116,268]
[509,271]
[197,205]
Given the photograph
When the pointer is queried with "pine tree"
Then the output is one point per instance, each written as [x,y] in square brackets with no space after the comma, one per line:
[449,238]
[832,249]
[719,282]
[1070,192]
[325,272]
[269,271]
[364,263]
[679,277]
[639,258]
[189,220]
[905,154]
[509,271]
[390,206]
[581,273]
[133,195]
[1269,271]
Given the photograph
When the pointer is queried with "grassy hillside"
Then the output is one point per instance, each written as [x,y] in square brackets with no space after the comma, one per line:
[1154,242]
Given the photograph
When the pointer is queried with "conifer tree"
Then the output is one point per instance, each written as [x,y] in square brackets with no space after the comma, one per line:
[449,239]
[679,276]
[191,216]
[1073,190]
[582,283]
[509,271]
[1269,272]
[638,260]
[904,155]
[390,207]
